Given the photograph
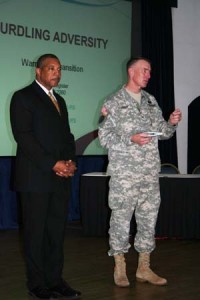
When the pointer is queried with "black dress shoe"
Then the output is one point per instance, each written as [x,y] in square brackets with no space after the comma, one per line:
[64,290]
[40,293]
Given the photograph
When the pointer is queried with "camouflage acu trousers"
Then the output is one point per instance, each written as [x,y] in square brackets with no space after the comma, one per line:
[139,195]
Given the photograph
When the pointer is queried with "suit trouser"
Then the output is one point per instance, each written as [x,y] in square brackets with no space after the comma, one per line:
[44,220]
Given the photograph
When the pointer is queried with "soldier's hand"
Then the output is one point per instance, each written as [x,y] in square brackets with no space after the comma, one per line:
[175,117]
[141,138]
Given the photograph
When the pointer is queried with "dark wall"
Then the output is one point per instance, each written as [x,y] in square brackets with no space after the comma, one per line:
[193,134]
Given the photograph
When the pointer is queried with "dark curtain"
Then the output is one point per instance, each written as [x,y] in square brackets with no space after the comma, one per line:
[9,214]
[10,209]
[193,133]
[157,45]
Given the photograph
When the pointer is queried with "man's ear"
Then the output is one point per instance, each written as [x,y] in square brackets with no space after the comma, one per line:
[130,72]
[37,71]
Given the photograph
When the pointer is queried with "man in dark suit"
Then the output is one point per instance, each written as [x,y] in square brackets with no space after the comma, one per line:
[45,162]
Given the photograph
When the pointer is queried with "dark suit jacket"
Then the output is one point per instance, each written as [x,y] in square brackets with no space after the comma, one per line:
[43,137]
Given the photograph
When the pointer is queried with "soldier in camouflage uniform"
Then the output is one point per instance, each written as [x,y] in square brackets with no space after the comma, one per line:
[134,165]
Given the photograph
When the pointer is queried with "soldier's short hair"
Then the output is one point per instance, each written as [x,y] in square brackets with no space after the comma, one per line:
[133,60]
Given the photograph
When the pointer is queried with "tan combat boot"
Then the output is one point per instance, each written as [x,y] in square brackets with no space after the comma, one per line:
[145,274]
[120,277]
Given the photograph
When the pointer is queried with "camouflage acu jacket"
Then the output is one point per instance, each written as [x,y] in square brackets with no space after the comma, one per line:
[126,118]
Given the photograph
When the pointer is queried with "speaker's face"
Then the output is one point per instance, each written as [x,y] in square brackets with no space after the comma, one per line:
[49,74]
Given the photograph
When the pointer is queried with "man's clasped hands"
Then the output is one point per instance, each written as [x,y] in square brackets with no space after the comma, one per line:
[65,168]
